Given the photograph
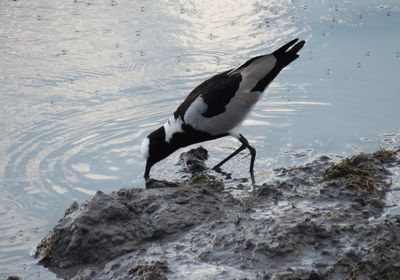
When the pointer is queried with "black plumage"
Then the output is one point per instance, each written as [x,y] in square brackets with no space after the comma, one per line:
[215,107]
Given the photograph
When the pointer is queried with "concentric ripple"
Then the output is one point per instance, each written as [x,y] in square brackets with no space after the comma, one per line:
[82,82]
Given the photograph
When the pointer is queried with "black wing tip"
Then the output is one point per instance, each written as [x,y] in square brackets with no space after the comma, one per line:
[292,47]
[289,52]
[297,47]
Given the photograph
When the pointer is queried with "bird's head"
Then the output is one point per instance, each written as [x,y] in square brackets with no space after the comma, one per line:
[155,148]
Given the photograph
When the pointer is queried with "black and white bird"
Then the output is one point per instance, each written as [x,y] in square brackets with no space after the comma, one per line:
[218,105]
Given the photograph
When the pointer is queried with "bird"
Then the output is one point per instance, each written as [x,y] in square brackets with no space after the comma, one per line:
[217,106]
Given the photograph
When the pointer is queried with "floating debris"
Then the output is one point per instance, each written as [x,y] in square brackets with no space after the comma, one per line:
[211,36]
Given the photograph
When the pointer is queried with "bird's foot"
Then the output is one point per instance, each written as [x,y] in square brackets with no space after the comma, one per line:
[223,173]
[217,168]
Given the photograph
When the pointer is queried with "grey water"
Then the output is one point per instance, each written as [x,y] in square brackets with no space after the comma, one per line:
[82,82]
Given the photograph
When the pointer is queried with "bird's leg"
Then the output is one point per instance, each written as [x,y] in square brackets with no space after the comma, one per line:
[241,148]
[245,144]
[252,150]
[147,171]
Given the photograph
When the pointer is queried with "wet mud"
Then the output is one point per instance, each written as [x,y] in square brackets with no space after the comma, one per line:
[322,220]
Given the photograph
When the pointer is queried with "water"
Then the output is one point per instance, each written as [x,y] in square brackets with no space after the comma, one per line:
[82,82]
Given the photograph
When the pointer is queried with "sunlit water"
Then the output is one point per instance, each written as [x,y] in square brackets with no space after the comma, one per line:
[82,82]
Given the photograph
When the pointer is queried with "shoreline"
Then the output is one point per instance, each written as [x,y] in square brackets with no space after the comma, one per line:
[321,220]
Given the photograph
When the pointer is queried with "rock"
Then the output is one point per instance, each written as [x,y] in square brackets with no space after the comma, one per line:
[193,161]
[13,277]
[109,225]
[159,184]
[307,223]
[363,173]
[154,270]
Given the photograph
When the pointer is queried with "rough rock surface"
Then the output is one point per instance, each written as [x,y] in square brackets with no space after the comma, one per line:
[13,277]
[193,161]
[317,221]
[109,225]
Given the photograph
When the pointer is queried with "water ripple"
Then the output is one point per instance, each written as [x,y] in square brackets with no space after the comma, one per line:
[78,98]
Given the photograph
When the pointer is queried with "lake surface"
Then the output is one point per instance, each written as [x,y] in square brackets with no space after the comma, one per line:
[82,82]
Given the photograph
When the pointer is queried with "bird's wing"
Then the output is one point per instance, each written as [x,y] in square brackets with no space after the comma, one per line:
[222,102]
[216,93]
[218,105]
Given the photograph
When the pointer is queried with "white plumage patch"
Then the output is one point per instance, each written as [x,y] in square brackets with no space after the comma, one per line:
[258,69]
[238,107]
[235,112]
[171,127]
[144,148]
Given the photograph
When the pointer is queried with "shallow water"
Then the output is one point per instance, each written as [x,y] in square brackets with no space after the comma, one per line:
[82,82]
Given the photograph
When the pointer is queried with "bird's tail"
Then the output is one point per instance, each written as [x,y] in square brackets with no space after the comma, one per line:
[288,52]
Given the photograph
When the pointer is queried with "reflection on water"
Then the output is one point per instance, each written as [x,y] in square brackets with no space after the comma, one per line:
[82,82]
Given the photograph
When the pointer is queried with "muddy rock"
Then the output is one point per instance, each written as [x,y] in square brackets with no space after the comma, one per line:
[193,161]
[149,270]
[363,173]
[158,184]
[13,277]
[308,222]
[109,225]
